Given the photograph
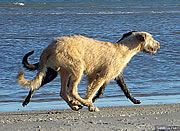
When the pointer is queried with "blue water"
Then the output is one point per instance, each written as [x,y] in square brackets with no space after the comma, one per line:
[28,25]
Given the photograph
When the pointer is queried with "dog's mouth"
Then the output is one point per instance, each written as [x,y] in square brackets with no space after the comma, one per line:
[150,50]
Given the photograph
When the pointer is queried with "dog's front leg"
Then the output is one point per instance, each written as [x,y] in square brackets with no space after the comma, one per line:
[100,92]
[120,81]
[94,85]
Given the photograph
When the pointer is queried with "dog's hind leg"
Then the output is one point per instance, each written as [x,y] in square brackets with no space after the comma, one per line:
[76,75]
[50,75]
[64,93]
[28,98]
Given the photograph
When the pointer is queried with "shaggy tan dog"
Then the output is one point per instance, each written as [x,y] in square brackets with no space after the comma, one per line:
[72,56]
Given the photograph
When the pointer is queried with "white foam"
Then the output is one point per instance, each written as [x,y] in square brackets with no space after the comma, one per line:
[17,3]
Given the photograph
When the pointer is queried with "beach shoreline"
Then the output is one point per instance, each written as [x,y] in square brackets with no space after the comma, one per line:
[141,117]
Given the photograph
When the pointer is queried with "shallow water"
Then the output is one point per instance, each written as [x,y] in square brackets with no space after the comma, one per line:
[32,26]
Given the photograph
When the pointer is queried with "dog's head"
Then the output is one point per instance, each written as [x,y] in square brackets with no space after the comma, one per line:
[149,45]
[144,39]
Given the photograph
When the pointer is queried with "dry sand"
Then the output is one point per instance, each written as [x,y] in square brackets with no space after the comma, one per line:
[127,118]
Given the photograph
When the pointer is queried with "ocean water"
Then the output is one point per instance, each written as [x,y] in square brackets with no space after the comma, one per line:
[27,25]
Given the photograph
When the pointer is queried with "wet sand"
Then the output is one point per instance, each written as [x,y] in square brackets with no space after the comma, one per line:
[148,117]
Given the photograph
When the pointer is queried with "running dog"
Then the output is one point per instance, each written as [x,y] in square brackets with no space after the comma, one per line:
[73,56]
[51,74]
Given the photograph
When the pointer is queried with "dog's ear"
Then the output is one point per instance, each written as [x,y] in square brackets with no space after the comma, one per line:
[126,35]
[141,37]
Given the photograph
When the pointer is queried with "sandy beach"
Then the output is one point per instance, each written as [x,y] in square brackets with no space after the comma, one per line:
[148,117]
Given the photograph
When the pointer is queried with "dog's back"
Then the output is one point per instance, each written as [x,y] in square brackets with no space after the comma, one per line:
[92,53]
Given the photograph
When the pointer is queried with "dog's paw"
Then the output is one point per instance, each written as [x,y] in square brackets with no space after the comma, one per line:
[136,101]
[93,109]
[76,108]
[76,103]
[26,102]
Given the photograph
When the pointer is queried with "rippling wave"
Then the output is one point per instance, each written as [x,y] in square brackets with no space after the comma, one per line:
[94,13]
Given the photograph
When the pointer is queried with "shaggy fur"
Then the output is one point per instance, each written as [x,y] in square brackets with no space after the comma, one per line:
[101,61]
[51,74]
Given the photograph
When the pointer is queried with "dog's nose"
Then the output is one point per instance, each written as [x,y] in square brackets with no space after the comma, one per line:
[158,44]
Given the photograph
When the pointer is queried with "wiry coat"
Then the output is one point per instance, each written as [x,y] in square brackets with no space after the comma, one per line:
[100,61]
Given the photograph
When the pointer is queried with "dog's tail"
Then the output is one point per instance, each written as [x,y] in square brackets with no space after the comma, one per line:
[26,63]
[31,84]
